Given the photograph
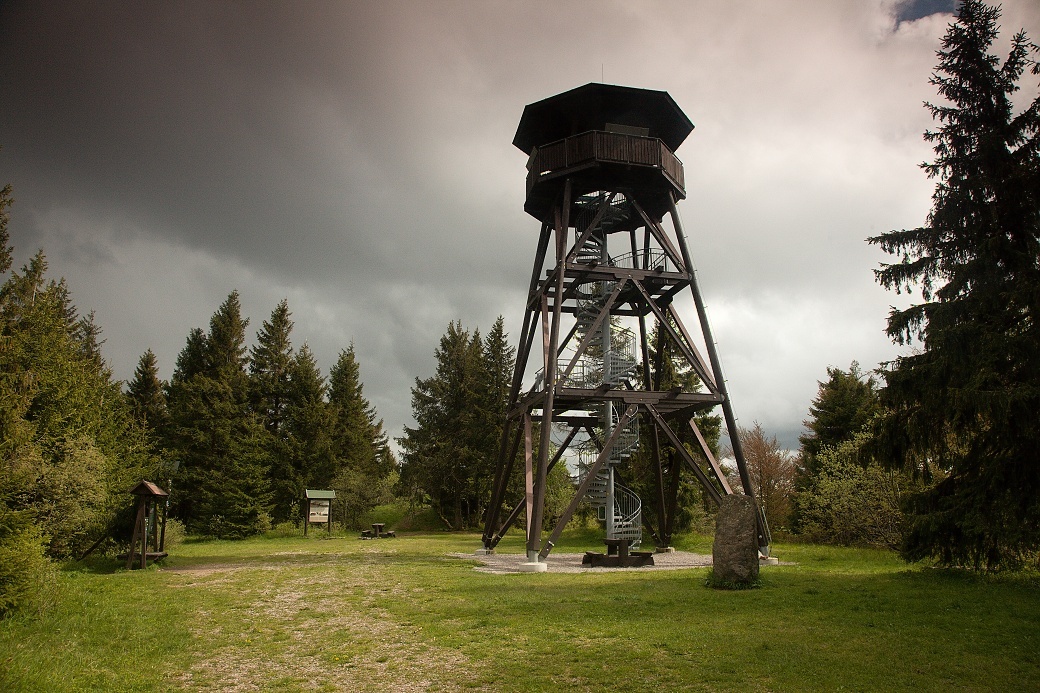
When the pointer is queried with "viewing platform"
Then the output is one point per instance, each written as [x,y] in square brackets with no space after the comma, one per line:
[593,158]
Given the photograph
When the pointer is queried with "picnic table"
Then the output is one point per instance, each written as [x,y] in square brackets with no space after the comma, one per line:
[378,532]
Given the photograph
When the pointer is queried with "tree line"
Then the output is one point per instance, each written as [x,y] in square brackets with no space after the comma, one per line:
[241,433]
[236,435]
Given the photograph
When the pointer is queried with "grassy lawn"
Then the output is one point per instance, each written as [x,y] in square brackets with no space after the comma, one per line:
[331,614]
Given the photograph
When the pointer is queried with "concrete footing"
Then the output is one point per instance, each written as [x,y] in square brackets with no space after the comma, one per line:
[534,567]
[664,549]
[484,552]
[768,560]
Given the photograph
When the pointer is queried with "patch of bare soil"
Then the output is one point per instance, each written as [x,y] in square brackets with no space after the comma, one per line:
[310,632]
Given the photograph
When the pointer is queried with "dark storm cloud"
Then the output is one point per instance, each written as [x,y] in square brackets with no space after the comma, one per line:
[356,159]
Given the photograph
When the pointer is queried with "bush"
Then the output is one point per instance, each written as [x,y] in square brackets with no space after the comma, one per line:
[357,493]
[559,490]
[69,497]
[853,503]
[25,571]
[421,520]
[175,534]
[284,529]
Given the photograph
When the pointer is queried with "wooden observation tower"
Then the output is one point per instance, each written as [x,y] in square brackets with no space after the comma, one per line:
[603,180]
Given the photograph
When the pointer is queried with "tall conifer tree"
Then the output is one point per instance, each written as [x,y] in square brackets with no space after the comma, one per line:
[844,404]
[358,440]
[963,407]
[309,424]
[355,416]
[492,392]
[441,453]
[219,440]
[269,366]
[146,395]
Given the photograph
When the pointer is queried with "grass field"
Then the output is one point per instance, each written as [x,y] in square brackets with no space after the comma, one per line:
[395,615]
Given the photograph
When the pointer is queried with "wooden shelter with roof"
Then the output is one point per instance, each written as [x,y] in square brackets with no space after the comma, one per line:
[149,519]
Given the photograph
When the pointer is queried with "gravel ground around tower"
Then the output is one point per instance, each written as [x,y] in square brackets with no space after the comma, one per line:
[504,563]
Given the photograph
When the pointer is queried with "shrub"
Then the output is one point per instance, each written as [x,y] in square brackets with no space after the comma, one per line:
[25,571]
[284,529]
[850,502]
[357,493]
[175,534]
[67,497]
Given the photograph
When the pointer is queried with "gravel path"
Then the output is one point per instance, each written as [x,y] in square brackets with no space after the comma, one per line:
[504,563]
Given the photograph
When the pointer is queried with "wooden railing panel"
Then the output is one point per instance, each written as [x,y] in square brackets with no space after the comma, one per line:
[605,146]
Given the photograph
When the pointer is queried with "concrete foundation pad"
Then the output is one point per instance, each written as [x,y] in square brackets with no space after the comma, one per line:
[484,552]
[534,567]
[768,560]
[664,549]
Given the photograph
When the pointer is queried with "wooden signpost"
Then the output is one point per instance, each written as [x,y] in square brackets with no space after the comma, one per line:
[319,509]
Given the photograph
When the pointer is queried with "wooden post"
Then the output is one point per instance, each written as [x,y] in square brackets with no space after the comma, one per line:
[138,531]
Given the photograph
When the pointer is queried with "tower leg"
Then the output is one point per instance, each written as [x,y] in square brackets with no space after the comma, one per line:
[720,381]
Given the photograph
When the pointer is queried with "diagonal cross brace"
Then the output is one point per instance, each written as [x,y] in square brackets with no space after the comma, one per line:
[589,476]
[684,453]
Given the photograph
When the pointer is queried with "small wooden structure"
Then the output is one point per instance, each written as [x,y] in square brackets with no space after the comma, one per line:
[148,515]
[319,509]
[378,531]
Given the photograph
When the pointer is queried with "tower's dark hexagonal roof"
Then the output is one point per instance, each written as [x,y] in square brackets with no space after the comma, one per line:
[592,106]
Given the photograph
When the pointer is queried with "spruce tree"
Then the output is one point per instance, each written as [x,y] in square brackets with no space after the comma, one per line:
[146,395]
[354,414]
[269,384]
[492,393]
[192,359]
[269,367]
[962,407]
[358,440]
[442,452]
[219,440]
[309,423]
[843,406]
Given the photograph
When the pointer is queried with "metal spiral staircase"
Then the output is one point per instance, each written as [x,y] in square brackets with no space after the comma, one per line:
[626,520]
[612,363]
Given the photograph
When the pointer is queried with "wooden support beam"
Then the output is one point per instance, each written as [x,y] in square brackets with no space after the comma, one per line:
[662,238]
[534,532]
[519,507]
[701,367]
[720,476]
[687,348]
[727,406]
[684,453]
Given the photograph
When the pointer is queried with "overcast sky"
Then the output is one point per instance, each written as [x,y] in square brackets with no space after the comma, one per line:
[355,158]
